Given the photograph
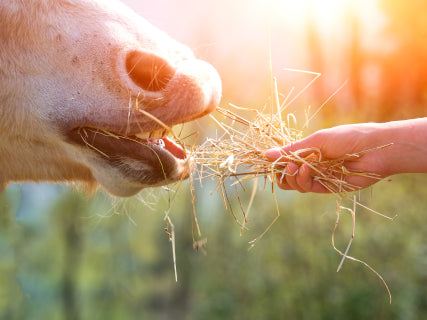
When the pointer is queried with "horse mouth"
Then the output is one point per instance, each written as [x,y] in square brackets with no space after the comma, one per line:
[148,159]
[160,138]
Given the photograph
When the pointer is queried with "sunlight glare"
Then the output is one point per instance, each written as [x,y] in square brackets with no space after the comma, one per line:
[325,13]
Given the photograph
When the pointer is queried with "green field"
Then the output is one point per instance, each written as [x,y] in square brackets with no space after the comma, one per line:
[74,257]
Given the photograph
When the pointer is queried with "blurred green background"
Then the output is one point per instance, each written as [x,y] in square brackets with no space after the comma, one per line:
[67,255]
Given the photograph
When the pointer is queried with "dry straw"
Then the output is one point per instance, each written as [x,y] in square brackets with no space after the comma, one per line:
[237,154]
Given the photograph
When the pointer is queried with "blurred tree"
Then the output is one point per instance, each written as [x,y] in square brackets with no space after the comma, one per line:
[356,54]
[404,66]
[315,56]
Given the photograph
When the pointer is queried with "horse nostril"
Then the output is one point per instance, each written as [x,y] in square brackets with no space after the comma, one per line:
[148,71]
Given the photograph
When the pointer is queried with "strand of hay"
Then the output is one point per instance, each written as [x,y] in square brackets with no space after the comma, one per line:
[345,254]
[237,154]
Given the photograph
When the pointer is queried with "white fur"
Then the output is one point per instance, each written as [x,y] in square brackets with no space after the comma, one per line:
[62,66]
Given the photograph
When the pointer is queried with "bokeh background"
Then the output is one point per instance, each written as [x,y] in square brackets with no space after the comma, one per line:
[66,255]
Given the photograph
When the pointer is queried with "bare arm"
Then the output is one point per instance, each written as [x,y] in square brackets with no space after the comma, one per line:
[407,154]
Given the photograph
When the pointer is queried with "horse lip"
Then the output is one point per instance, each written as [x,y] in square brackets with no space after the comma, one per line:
[146,161]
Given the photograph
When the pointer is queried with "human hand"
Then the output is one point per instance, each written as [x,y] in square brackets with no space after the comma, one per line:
[335,143]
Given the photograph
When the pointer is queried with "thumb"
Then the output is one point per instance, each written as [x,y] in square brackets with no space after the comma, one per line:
[276,153]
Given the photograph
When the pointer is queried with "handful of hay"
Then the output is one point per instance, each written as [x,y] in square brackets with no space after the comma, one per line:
[238,154]
[239,151]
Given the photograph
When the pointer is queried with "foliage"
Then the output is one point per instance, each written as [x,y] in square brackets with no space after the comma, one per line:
[80,258]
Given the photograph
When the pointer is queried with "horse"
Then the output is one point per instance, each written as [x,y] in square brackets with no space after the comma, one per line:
[89,92]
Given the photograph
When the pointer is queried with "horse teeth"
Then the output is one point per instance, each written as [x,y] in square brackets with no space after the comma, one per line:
[158,134]
[143,135]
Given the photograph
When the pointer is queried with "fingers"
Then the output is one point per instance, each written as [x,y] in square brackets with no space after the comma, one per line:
[276,153]
[299,179]
[296,178]
[304,179]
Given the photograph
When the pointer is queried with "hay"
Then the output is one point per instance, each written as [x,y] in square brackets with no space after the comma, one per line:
[238,154]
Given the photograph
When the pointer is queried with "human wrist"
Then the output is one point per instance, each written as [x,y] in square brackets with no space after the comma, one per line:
[407,148]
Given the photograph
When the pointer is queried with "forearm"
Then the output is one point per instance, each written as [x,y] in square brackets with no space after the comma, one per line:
[408,153]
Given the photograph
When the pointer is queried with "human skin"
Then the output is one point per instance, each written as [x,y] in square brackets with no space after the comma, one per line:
[406,153]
